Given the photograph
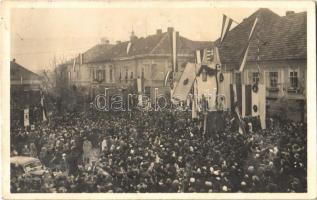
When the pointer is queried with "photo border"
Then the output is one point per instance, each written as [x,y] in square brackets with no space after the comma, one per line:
[5,8]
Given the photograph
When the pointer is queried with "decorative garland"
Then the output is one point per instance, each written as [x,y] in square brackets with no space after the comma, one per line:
[255,88]
[221,78]
[255,108]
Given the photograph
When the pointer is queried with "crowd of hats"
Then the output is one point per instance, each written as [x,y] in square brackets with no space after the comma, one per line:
[161,152]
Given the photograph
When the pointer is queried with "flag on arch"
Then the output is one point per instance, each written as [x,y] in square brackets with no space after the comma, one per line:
[226,24]
[168,78]
[129,47]
[44,116]
[249,100]
[185,83]
[246,51]
[26,117]
[204,56]
[199,55]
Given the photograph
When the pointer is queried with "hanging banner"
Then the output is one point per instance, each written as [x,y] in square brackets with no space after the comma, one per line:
[26,117]
[139,84]
[185,83]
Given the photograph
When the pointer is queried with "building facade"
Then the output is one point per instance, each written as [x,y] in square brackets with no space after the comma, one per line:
[119,67]
[25,89]
[277,58]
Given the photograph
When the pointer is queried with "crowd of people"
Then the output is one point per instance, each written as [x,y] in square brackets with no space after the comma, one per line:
[166,151]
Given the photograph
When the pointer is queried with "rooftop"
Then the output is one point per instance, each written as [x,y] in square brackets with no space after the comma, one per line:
[281,38]
[17,71]
[156,44]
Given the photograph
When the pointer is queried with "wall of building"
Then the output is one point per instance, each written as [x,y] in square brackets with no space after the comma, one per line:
[283,69]
[154,70]
[284,100]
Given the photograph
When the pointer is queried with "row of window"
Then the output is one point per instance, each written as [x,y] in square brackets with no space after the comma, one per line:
[292,78]
[100,74]
[273,79]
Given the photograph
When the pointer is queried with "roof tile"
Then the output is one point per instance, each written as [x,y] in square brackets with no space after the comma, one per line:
[284,38]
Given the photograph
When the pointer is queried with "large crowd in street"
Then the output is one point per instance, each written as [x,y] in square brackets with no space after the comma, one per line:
[166,151]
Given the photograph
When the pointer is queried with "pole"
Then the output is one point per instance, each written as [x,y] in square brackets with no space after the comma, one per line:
[155,99]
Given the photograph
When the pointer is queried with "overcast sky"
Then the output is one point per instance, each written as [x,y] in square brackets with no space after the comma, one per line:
[37,35]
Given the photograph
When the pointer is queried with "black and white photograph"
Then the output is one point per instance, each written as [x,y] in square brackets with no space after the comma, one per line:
[159,99]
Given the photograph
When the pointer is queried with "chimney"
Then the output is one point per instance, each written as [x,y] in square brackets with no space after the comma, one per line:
[13,60]
[158,31]
[118,42]
[170,30]
[289,13]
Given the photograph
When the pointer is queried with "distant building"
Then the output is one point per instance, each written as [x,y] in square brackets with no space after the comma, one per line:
[282,59]
[119,66]
[25,87]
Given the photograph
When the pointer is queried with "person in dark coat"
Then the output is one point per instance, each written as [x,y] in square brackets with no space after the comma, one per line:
[72,161]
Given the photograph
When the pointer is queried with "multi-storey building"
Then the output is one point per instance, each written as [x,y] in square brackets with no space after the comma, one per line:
[25,88]
[278,50]
[277,57]
[119,66]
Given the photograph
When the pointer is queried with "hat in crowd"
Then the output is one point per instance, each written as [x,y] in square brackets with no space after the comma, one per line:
[62,189]
[251,169]
[175,183]
[208,183]
[217,172]
[192,180]
[255,178]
